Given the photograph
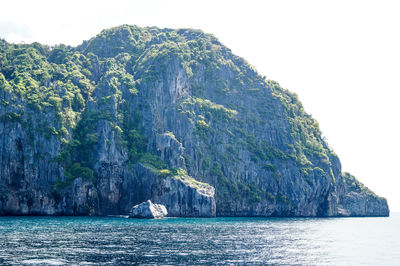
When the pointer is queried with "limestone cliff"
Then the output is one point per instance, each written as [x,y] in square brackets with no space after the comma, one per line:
[168,115]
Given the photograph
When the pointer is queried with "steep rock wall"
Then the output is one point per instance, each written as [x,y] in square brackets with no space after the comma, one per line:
[168,115]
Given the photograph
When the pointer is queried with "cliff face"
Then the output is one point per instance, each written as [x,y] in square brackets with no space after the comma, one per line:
[358,200]
[168,115]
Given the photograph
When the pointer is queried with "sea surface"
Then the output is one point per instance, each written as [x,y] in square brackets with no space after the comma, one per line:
[116,241]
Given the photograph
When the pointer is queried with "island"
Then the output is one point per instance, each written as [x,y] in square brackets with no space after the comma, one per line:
[166,115]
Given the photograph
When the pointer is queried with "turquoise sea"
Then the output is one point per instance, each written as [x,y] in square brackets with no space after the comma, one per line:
[116,241]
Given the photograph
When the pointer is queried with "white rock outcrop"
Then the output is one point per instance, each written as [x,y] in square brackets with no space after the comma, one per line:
[148,210]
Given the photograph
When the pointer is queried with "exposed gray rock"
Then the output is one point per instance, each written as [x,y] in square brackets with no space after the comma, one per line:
[359,204]
[170,149]
[148,210]
[182,195]
[358,200]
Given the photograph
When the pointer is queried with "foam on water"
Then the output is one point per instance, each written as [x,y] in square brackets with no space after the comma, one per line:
[43,261]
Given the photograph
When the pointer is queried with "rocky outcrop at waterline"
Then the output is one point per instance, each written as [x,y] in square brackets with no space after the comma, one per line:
[358,200]
[182,195]
[148,210]
[167,115]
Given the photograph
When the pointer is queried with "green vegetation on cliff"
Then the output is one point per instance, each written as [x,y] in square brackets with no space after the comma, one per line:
[175,101]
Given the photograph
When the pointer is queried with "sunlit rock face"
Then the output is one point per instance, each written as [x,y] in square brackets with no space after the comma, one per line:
[358,200]
[148,210]
[168,115]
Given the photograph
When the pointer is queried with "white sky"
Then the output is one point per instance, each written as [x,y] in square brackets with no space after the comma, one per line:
[341,57]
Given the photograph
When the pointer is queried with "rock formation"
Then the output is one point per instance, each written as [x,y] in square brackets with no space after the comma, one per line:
[148,210]
[182,195]
[161,114]
[358,200]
